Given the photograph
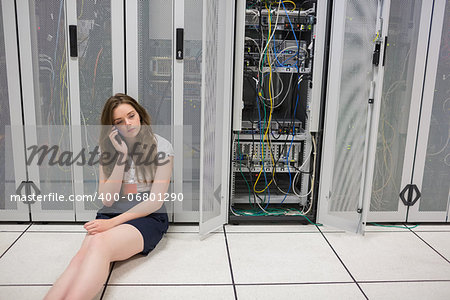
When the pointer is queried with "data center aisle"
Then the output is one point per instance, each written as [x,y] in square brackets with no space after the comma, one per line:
[243,262]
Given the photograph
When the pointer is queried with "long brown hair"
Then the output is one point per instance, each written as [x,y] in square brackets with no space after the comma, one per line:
[145,137]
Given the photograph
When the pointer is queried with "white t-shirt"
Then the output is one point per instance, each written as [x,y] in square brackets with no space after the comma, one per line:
[163,146]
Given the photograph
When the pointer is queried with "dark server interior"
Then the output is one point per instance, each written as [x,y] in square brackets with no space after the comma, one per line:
[273,152]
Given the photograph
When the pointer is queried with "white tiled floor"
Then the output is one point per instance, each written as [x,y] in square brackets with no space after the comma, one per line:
[244,262]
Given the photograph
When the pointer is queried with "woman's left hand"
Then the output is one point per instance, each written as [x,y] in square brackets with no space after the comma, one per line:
[98,225]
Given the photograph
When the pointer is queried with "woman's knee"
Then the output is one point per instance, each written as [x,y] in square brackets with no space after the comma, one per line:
[118,244]
[98,243]
[78,258]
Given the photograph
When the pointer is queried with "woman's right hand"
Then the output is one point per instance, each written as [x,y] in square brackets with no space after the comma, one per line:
[122,147]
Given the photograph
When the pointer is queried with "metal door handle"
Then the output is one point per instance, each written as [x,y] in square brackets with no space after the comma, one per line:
[179,46]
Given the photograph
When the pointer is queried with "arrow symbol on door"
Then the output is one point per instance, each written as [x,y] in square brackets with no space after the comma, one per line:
[28,185]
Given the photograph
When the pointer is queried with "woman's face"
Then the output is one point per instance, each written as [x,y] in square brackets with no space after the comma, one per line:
[127,120]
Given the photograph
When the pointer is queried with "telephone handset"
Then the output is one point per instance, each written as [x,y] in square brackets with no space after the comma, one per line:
[118,136]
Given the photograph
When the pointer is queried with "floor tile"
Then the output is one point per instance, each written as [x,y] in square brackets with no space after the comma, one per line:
[183,228]
[6,239]
[39,257]
[284,258]
[300,291]
[13,227]
[57,227]
[397,228]
[425,227]
[169,292]
[178,258]
[369,228]
[326,228]
[407,290]
[388,256]
[270,228]
[29,292]
[188,228]
[438,240]
[23,292]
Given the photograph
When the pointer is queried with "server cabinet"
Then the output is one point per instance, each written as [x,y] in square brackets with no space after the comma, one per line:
[407,39]
[406,61]
[277,91]
[94,75]
[432,158]
[376,128]
[63,90]
[186,94]
[43,58]
[169,86]
[411,90]
[13,169]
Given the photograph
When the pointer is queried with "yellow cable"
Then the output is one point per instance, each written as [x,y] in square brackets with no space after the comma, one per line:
[62,78]
[376,37]
[268,124]
[288,1]
[81,13]
[63,101]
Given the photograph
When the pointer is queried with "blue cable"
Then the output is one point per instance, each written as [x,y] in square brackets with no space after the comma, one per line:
[292,27]
[289,151]
[289,59]
[276,56]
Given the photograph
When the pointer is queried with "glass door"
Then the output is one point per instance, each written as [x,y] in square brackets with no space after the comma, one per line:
[96,73]
[12,155]
[56,121]
[169,87]
[215,113]
[404,69]
[431,170]
[187,105]
[150,69]
[47,110]
[349,114]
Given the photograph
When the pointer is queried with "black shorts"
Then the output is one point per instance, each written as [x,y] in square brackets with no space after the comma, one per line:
[152,227]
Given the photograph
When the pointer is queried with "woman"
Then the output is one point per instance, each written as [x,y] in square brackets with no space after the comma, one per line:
[128,226]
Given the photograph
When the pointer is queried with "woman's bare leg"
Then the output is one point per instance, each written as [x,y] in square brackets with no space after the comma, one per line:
[62,284]
[115,244]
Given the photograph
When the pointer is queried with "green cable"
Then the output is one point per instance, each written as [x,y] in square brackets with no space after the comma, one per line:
[394,226]
[240,169]
[307,218]
[273,212]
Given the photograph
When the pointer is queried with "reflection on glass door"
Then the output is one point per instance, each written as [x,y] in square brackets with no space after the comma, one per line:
[4,120]
[347,113]
[12,156]
[155,60]
[193,10]
[48,117]
[400,63]
[435,185]
[95,80]
[215,113]
[432,167]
